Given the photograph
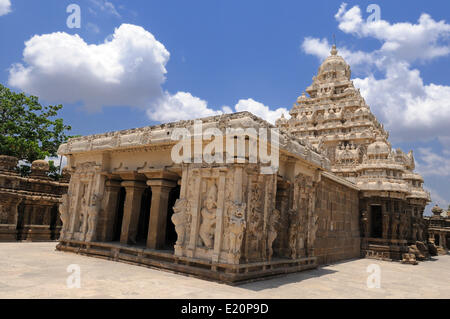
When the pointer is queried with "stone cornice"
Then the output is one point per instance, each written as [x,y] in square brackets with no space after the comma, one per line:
[159,137]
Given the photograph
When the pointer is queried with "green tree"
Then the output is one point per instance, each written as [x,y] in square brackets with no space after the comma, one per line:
[28,130]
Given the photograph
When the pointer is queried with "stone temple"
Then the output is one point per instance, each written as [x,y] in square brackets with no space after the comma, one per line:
[338,191]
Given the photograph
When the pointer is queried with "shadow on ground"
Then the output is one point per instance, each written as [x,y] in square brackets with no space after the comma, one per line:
[281,280]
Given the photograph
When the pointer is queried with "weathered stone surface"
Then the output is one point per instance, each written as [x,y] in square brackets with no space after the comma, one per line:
[409,258]
[439,231]
[29,205]
[338,190]
[336,120]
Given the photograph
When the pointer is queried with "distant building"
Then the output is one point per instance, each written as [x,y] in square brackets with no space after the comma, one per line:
[439,228]
[29,205]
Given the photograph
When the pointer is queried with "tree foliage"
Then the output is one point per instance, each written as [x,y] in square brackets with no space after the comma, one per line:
[28,130]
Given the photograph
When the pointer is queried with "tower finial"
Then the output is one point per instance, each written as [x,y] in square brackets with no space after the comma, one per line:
[333,48]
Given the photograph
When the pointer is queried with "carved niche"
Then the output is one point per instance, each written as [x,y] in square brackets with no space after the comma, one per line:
[303,221]
[364,224]
[273,231]
[255,220]
[403,226]
[386,218]
[92,216]
[229,208]
[208,218]
[395,224]
[4,214]
[236,228]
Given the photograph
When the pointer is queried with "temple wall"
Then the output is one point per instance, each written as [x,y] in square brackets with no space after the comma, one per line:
[338,234]
[29,205]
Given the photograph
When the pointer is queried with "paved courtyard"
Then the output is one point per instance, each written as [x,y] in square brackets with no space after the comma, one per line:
[36,270]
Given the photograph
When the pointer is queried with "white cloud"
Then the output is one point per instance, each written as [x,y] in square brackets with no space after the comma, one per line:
[184,106]
[409,108]
[180,106]
[127,69]
[436,198]
[318,47]
[427,39]
[261,110]
[5,7]
[321,49]
[433,164]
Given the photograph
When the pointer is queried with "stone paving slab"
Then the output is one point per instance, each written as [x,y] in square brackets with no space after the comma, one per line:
[37,270]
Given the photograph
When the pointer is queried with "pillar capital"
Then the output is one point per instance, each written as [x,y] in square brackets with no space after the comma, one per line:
[159,174]
[112,183]
[133,184]
[161,183]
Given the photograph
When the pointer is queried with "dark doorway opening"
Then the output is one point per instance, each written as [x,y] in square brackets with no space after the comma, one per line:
[119,215]
[171,234]
[144,217]
[436,240]
[376,222]
[53,222]
[20,220]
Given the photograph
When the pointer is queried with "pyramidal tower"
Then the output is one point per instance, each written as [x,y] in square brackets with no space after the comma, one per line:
[335,119]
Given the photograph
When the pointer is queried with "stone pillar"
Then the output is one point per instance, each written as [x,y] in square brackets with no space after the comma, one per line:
[158,212]
[442,240]
[195,213]
[385,223]
[132,207]
[106,222]
[218,236]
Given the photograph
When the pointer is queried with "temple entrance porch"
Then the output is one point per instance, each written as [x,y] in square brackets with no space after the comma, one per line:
[137,210]
[386,238]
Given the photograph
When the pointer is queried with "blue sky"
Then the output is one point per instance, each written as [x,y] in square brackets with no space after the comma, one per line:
[195,58]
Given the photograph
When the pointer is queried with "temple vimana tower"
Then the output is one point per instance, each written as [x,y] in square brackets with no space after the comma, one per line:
[336,120]
[334,189]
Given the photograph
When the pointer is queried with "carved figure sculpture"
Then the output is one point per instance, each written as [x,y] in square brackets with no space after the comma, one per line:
[364,224]
[64,214]
[415,230]
[409,258]
[180,219]
[208,214]
[395,223]
[92,217]
[403,226]
[293,233]
[421,230]
[236,228]
[273,230]
[385,224]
